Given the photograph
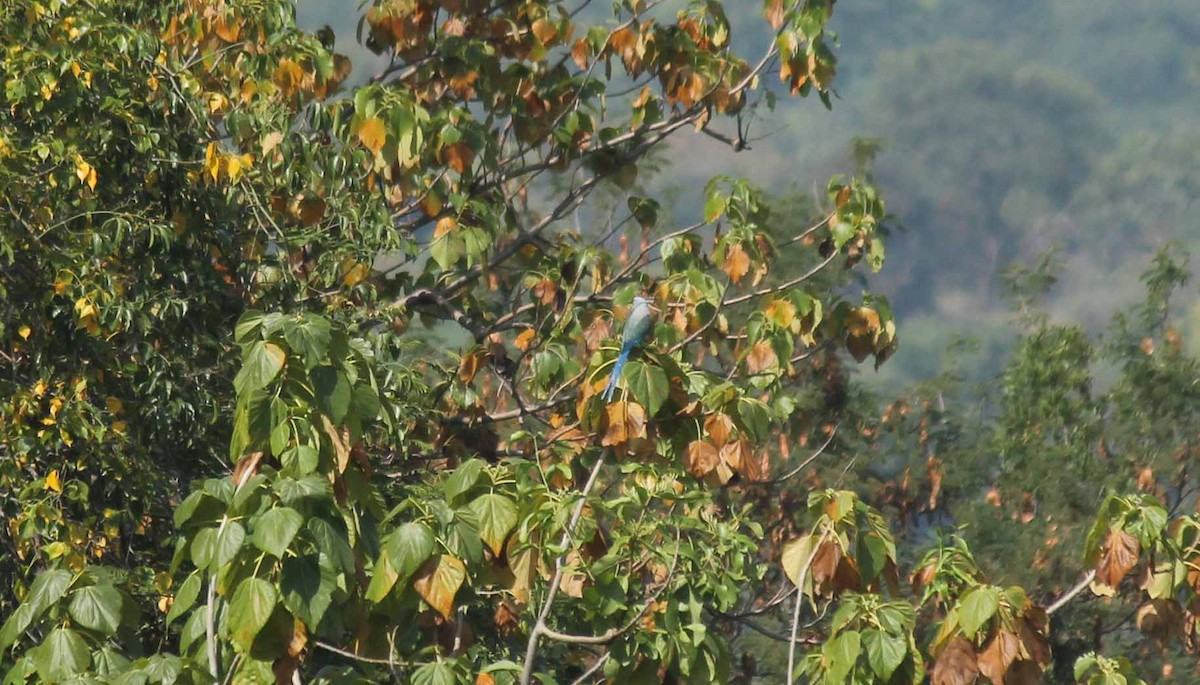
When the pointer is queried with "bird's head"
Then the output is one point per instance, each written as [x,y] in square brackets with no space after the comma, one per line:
[639,301]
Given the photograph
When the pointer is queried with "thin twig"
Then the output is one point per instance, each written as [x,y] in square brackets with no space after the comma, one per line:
[1072,593]
[803,464]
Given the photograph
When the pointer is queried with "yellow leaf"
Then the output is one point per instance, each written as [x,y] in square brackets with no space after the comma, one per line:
[525,339]
[53,482]
[114,405]
[212,162]
[217,102]
[39,389]
[60,286]
[24,332]
[55,406]
[119,427]
[372,134]
[85,172]
[152,83]
[438,581]
[353,272]
[84,308]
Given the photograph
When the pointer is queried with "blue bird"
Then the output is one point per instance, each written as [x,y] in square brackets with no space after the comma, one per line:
[637,326]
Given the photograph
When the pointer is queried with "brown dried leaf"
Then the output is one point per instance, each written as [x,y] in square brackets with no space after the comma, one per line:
[997,655]
[246,468]
[718,427]
[545,291]
[1119,556]
[956,664]
[701,458]
[1160,620]
[825,564]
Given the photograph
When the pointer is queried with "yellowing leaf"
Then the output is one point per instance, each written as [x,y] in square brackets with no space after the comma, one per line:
[862,321]
[353,272]
[39,389]
[438,581]
[372,134]
[119,427]
[24,332]
[53,482]
[782,313]
[236,164]
[114,405]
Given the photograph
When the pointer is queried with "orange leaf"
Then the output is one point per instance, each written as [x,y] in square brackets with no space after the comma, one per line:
[626,421]
[545,291]
[372,134]
[525,339]
[761,357]
[438,580]
[458,156]
[288,76]
[701,458]
[737,263]
[718,427]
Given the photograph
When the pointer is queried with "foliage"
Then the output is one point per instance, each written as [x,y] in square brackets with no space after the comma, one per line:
[368,302]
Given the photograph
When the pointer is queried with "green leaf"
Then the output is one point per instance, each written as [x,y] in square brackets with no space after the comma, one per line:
[204,546]
[261,364]
[332,392]
[436,673]
[463,479]
[275,529]
[1084,664]
[294,490]
[250,609]
[47,589]
[497,516]
[62,654]
[185,597]
[230,537]
[248,325]
[885,652]
[300,460]
[872,556]
[977,607]
[108,662]
[309,337]
[714,207]
[842,654]
[307,589]
[409,546]
[755,418]
[97,607]
[332,545]
[648,383]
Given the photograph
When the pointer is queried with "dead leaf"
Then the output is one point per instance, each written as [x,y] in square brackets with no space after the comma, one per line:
[825,564]
[956,664]
[701,458]
[341,443]
[1119,556]
[458,156]
[469,365]
[997,655]
[1160,620]
[625,421]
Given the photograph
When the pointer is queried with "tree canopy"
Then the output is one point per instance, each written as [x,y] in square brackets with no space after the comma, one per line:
[302,380]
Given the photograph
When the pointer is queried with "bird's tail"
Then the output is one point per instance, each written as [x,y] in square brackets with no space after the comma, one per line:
[616,374]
